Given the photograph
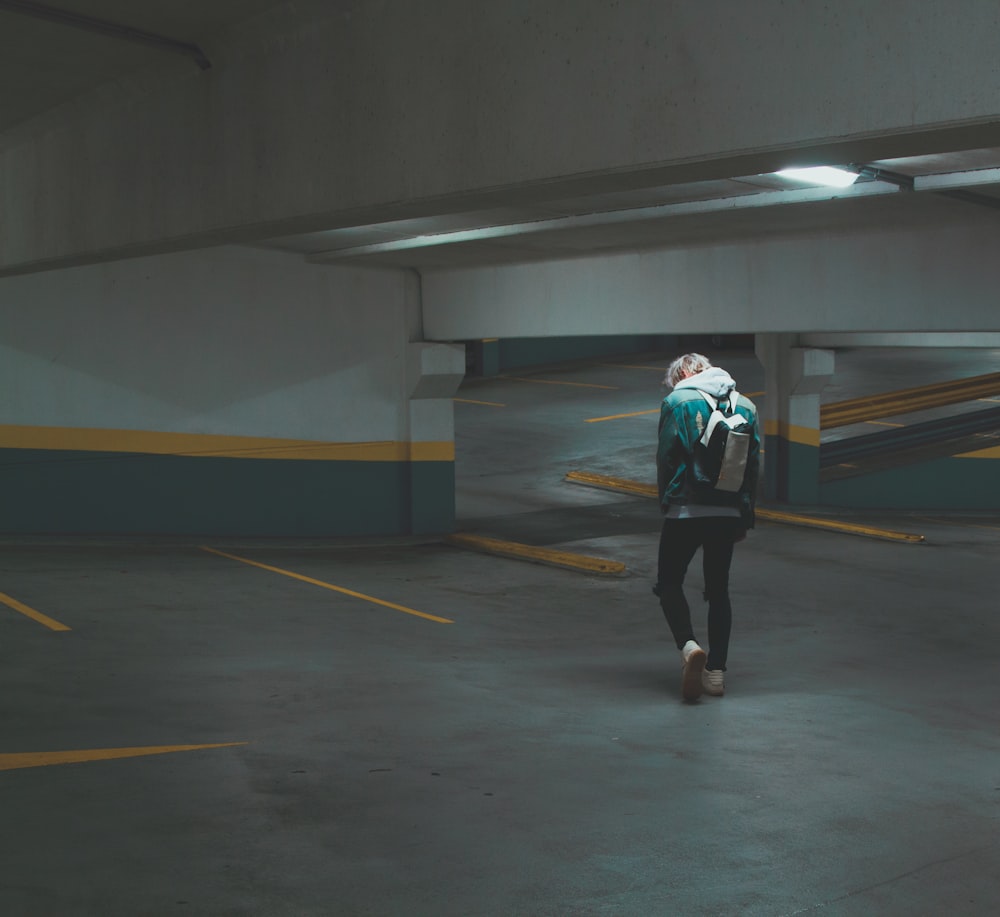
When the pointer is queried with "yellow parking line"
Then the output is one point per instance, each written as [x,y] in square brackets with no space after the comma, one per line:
[560,382]
[623,485]
[330,586]
[607,482]
[641,413]
[618,416]
[537,555]
[50,623]
[10,762]
[848,528]
[884,423]
[659,369]
[492,404]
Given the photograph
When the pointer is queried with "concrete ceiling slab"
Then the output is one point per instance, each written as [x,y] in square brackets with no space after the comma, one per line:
[44,63]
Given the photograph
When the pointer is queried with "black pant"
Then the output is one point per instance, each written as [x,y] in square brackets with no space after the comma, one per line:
[679,540]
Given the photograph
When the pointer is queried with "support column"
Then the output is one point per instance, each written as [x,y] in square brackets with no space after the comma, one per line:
[484,357]
[794,379]
[433,374]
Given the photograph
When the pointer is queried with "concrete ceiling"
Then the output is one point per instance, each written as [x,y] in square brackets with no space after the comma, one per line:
[45,62]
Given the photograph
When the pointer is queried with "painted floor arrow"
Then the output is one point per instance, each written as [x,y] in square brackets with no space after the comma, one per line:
[10,762]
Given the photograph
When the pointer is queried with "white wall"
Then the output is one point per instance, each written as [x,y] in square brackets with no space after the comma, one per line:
[226,341]
[319,114]
[946,279]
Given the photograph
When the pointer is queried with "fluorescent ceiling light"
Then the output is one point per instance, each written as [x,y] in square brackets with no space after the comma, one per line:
[821,175]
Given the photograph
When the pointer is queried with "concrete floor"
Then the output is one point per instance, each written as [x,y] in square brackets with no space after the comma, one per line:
[533,756]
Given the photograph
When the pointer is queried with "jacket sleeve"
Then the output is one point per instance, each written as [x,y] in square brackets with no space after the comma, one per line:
[663,469]
[673,447]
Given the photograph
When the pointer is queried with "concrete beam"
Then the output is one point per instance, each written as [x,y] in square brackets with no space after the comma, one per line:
[902,339]
[317,115]
[942,280]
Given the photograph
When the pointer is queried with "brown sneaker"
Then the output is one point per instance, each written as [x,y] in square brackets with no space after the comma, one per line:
[693,657]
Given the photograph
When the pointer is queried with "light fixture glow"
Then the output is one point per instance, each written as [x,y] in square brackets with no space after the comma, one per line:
[822,175]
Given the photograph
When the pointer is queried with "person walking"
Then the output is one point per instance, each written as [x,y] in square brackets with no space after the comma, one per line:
[698,515]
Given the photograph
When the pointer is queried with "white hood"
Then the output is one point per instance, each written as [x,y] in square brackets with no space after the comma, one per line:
[714,380]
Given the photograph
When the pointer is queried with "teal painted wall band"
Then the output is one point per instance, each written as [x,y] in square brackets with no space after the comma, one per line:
[432,497]
[791,470]
[515,353]
[491,358]
[803,473]
[948,483]
[64,492]
[776,455]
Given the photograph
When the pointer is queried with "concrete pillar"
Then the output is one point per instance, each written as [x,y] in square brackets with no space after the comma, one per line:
[794,380]
[484,357]
[491,357]
[433,374]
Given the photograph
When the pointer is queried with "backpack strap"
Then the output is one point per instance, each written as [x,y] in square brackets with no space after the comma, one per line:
[713,418]
[732,397]
[712,403]
[718,416]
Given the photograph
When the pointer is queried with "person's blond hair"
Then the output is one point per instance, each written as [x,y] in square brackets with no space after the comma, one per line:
[684,366]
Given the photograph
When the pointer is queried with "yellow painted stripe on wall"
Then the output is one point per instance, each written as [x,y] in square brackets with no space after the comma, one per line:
[211,445]
[794,434]
[431,452]
[993,452]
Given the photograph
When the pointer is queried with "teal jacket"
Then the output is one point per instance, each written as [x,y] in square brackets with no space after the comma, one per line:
[683,416]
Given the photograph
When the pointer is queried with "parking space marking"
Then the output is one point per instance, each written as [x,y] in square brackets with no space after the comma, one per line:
[640,413]
[10,762]
[613,388]
[492,404]
[659,369]
[563,559]
[330,586]
[623,485]
[619,416]
[45,620]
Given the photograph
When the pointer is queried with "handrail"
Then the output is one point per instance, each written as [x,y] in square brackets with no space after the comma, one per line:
[889,404]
